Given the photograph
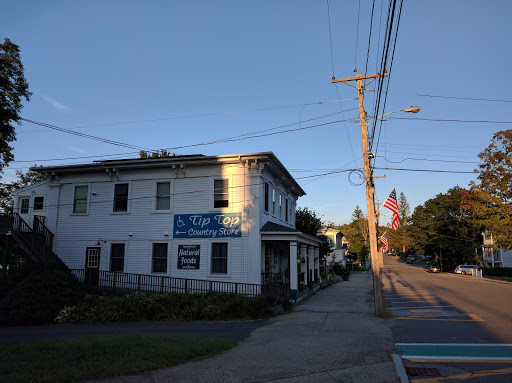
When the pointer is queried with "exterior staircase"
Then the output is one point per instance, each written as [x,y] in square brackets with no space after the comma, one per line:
[35,241]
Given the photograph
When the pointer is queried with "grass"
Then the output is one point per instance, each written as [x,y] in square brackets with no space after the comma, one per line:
[385,312]
[75,360]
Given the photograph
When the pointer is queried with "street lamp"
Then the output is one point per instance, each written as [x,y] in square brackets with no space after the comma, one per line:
[412,109]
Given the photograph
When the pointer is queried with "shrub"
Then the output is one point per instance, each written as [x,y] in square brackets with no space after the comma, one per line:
[337,268]
[38,298]
[170,307]
[497,271]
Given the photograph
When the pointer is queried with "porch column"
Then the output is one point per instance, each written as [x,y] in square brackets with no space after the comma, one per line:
[317,261]
[303,255]
[294,282]
[311,262]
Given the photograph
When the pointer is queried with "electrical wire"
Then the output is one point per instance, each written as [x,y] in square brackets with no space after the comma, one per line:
[427,170]
[229,139]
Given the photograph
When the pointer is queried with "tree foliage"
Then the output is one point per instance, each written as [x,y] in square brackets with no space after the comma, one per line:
[356,233]
[441,226]
[13,87]
[162,153]
[491,200]
[307,221]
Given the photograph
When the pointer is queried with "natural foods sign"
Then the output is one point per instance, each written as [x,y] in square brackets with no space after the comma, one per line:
[189,257]
[217,225]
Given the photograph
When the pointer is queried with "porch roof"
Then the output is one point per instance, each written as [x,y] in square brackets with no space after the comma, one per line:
[274,231]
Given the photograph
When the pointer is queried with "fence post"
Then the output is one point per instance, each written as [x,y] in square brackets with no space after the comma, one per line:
[236,288]
[114,282]
[138,282]
[186,286]
[161,285]
[210,285]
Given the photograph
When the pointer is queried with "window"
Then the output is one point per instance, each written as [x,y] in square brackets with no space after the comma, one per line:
[286,210]
[24,204]
[219,264]
[159,258]
[266,196]
[163,196]
[117,257]
[121,197]
[273,201]
[280,206]
[220,193]
[38,203]
[80,199]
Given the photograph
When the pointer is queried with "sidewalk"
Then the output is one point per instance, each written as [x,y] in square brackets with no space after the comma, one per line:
[333,337]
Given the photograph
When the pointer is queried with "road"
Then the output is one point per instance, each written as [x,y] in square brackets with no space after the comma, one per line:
[459,325]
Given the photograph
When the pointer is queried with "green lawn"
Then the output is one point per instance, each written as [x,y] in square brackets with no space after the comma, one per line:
[92,358]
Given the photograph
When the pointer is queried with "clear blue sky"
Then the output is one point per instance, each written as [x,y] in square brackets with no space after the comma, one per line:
[164,74]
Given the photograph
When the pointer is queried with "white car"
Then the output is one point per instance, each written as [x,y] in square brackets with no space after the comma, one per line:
[465,269]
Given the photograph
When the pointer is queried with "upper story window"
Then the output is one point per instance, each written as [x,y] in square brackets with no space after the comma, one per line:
[121,197]
[273,201]
[267,196]
[163,196]
[39,203]
[286,210]
[280,206]
[24,205]
[220,193]
[80,199]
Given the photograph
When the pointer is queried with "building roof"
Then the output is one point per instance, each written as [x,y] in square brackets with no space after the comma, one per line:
[275,228]
[251,159]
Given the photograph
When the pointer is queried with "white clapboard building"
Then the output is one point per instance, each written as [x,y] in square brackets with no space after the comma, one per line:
[224,218]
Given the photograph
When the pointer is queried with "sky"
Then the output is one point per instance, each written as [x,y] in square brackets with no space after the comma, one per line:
[171,74]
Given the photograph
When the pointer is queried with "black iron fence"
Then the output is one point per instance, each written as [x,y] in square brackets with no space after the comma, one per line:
[115,281]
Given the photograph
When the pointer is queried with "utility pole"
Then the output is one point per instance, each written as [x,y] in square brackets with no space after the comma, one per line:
[370,189]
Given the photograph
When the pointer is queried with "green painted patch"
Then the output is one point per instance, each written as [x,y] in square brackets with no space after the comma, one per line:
[455,350]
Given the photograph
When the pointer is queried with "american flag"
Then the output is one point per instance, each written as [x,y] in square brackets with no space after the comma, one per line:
[384,241]
[392,205]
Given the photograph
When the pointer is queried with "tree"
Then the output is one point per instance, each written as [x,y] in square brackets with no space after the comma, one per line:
[13,87]
[307,221]
[357,235]
[403,232]
[441,226]
[162,153]
[491,199]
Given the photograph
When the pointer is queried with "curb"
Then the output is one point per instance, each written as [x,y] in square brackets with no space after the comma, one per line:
[477,279]
[400,369]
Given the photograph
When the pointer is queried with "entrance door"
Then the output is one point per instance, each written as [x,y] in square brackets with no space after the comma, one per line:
[92,266]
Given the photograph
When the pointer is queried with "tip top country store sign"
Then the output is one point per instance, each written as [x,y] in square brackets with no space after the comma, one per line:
[217,225]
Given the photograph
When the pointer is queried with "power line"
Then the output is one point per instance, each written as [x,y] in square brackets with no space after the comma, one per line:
[427,170]
[450,97]
[83,135]
[229,139]
[451,120]
[202,115]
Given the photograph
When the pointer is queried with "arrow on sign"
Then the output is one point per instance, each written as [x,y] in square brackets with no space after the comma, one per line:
[180,232]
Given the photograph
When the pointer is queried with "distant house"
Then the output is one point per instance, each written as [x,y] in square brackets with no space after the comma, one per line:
[337,242]
[228,218]
[492,257]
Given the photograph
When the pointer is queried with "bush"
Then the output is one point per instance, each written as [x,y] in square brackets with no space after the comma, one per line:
[38,298]
[337,268]
[169,307]
[497,271]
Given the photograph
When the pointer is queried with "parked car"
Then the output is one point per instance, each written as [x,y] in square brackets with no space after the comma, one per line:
[434,269]
[465,269]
